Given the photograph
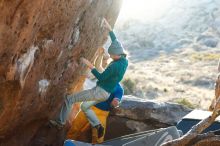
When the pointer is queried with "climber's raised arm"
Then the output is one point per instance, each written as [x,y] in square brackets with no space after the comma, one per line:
[107,25]
[100,76]
[109,28]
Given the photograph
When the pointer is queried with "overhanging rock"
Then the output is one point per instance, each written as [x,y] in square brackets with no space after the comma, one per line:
[41,42]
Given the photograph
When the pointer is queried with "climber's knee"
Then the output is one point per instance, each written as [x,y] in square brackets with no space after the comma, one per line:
[84,107]
[69,98]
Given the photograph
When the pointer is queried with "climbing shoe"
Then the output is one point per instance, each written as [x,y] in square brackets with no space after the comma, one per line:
[100,130]
[56,124]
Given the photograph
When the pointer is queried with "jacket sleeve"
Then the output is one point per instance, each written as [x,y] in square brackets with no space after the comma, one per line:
[119,92]
[104,75]
[112,36]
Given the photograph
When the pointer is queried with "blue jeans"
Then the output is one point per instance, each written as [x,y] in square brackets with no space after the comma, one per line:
[89,98]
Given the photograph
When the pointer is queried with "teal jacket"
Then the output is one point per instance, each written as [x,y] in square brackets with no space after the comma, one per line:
[113,74]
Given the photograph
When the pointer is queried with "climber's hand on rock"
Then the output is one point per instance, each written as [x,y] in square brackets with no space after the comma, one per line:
[87,62]
[101,51]
[107,25]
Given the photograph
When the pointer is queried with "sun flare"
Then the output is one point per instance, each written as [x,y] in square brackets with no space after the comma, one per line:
[144,9]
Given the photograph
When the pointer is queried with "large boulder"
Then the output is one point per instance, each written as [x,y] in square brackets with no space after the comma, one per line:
[41,42]
[136,115]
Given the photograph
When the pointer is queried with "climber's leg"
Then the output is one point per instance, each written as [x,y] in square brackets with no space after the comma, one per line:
[90,114]
[94,94]
[92,118]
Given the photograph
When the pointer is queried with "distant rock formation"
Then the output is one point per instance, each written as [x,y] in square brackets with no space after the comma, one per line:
[135,115]
[40,45]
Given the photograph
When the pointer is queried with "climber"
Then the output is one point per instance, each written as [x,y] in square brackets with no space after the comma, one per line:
[106,84]
[101,109]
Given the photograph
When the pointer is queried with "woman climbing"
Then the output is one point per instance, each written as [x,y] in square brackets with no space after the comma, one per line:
[106,84]
[80,123]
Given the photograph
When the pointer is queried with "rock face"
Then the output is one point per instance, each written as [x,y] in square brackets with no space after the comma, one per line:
[40,46]
[135,115]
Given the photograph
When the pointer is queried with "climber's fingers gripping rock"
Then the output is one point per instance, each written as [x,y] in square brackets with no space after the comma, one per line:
[87,62]
[107,25]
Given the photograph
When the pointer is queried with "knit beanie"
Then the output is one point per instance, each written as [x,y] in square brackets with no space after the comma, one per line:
[116,48]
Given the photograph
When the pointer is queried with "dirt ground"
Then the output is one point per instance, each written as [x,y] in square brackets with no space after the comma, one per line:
[183,74]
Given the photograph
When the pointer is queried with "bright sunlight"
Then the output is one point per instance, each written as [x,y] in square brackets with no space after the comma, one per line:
[144,9]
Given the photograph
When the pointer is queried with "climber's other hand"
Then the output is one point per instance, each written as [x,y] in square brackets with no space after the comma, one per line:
[101,51]
[115,103]
[87,62]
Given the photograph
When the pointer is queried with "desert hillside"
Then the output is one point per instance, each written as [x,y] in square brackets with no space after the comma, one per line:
[174,57]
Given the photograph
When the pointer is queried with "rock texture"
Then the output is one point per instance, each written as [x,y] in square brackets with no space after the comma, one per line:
[135,115]
[40,46]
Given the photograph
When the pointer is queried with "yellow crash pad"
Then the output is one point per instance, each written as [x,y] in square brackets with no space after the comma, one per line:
[81,129]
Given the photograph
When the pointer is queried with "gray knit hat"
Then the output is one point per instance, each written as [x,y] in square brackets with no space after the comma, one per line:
[116,48]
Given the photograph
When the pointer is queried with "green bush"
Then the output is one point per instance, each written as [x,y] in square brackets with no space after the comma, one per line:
[129,86]
[205,56]
[185,102]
